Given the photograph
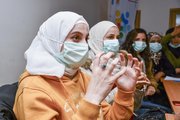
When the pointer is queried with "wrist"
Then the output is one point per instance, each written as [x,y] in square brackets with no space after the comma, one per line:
[124,98]
[93,99]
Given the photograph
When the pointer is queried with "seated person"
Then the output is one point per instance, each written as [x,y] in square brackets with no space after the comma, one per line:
[103,37]
[137,44]
[160,96]
[170,54]
[155,49]
[54,88]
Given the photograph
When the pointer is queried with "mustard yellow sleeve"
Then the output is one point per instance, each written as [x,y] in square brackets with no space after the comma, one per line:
[122,107]
[33,104]
[40,106]
[87,111]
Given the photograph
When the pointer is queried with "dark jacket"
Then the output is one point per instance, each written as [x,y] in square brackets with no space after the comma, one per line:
[7,97]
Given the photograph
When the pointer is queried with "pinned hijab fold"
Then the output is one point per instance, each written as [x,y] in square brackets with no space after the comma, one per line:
[96,35]
[48,43]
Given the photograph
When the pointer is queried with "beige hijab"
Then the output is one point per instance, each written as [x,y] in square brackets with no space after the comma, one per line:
[96,35]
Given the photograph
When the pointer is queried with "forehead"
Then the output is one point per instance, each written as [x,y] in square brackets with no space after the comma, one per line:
[141,35]
[80,27]
[113,30]
[155,37]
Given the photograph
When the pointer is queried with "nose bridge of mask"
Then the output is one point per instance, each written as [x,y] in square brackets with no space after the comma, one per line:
[111,45]
[139,45]
[139,42]
[155,47]
[73,49]
[73,54]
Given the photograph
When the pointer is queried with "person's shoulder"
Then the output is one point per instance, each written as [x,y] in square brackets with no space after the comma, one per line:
[37,82]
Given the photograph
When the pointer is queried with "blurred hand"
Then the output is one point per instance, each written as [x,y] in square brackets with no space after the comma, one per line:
[176,31]
[127,82]
[158,76]
[177,70]
[142,80]
[150,91]
[177,116]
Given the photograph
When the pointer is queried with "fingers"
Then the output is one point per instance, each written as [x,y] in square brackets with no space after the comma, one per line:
[142,82]
[122,60]
[112,65]
[142,79]
[101,60]
[141,64]
[150,91]
[97,59]
[119,74]
[130,60]
[136,62]
[137,71]
[105,57]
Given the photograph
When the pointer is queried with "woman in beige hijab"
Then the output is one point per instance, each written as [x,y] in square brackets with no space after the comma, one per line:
[103,37]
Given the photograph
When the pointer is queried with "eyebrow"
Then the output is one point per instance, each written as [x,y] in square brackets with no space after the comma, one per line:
[76,32]
[111,34]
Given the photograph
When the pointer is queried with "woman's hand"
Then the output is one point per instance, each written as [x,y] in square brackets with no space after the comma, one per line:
[159,75]
[176,31]
[127,82]
[142,80]
[150,91]
[102,79]
[177,70]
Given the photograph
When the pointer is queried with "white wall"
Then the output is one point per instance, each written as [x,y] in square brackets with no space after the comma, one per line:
[20,21]
[155,14]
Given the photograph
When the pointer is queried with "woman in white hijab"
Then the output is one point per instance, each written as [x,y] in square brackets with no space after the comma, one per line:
[54,88]
[104,36]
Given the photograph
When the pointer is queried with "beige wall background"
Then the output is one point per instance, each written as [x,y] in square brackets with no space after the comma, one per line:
[20,21]
[155,14]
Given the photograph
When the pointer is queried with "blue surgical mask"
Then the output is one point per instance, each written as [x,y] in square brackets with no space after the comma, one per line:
[155,47]
[139,46]
[111,46]
[73,55]
[174,46]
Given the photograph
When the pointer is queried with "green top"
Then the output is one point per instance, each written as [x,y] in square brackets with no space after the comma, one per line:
[172,59]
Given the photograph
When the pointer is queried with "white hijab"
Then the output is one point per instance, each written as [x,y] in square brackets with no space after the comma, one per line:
[48,42]
[96,35]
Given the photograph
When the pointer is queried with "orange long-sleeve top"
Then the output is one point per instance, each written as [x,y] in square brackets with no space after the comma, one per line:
[46,98]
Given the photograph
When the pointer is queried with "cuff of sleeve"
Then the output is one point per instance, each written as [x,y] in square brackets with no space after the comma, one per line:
[124,98]
[88,110]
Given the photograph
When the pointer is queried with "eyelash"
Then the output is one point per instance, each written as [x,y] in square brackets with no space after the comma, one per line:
[76,38]
[112,37]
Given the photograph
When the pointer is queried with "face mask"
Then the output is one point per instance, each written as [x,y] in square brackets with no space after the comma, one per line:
[139,46]
[174,46]
[73,55]
[111,46]
[155,47]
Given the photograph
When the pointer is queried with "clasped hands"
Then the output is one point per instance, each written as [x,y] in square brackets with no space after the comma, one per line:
[103,78]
